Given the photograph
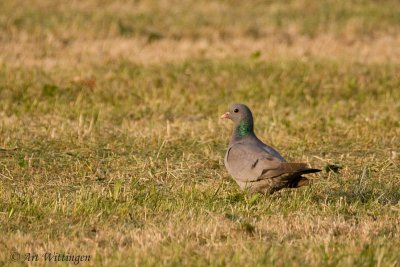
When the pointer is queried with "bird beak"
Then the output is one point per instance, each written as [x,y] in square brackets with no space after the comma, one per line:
[225,115]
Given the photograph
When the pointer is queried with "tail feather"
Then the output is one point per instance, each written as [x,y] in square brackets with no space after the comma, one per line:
[309,171]
[298,182]
[298,168]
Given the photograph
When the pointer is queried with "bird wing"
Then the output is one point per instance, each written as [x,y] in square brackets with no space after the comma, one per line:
[250,163]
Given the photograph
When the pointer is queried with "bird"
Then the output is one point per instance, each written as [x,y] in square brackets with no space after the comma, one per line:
[255,166]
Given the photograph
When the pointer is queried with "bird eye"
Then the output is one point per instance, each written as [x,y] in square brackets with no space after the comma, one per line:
[236,110]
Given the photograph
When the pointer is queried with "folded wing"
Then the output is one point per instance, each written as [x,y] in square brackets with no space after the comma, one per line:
[250,163]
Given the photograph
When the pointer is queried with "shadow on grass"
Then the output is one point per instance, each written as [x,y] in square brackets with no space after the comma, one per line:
[354,194]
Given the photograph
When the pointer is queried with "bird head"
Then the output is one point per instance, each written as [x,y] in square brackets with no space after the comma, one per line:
[238,113]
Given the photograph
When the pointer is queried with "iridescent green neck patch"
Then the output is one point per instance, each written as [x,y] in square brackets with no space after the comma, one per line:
[245,128]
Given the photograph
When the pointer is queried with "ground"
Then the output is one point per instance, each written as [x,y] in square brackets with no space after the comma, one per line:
[111,144]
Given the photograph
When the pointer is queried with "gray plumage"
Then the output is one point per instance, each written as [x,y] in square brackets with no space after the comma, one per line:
[254,165]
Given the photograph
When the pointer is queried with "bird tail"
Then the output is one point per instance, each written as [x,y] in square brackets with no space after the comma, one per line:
[305,171]
[298,169]
[298,182]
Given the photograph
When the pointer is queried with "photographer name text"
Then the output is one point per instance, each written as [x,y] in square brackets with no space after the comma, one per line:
[50,257]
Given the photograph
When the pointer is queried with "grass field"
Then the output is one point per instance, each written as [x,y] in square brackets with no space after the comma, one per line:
[111,144]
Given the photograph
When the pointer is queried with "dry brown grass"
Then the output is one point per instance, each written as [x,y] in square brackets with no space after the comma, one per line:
[384,49]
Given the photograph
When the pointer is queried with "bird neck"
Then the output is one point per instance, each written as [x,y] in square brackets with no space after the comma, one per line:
[242,130]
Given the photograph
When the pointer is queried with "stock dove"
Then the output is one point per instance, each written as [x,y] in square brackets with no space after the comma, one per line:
[254,165]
